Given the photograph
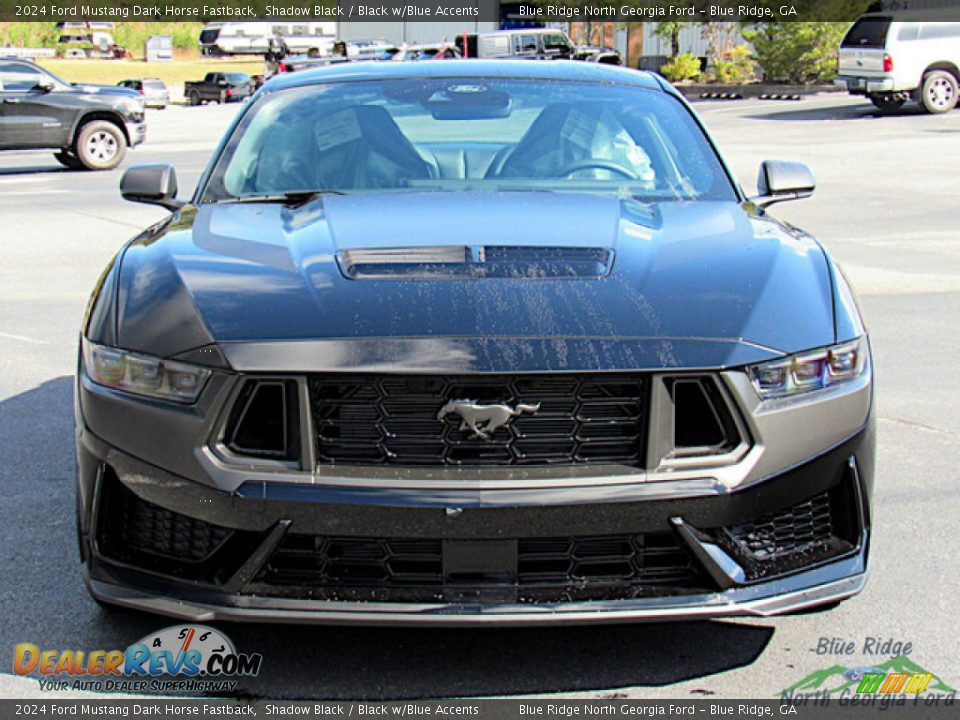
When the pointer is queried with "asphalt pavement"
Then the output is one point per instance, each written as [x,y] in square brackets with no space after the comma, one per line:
[886,205]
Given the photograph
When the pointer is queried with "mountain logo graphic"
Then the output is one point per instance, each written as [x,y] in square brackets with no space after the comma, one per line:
[898,674]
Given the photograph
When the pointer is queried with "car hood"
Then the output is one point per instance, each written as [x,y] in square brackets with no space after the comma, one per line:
[94,88]
[475,281]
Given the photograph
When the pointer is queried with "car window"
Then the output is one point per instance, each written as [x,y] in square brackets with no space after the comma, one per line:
[555,42]
[525,43]
[940,31]
[156,84]
[18,77]
[868,32]
[908,31]
[398,135]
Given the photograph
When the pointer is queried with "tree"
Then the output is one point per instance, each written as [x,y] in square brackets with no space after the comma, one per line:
[671,30]
[796,52]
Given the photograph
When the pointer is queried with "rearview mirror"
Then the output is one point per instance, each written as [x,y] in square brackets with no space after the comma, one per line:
[153,184]
[780,180]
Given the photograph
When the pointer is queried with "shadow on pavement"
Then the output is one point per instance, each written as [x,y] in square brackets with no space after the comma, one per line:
[43,601]
[844,112]
[53,169]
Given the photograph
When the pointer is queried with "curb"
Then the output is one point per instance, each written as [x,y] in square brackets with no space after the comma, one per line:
[762,91]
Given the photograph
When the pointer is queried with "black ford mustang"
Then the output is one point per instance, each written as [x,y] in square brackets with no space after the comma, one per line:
[454,343]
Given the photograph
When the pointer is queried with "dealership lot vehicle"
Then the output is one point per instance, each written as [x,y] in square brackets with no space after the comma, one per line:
[218,87]
[155,93]
[658,405]
[895,57]
[89,126]
[528,43]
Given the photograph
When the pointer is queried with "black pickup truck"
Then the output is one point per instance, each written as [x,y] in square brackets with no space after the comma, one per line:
[89,126]
[218,87]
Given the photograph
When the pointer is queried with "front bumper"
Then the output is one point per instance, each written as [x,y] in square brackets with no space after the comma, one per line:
[137,132]
[726,580]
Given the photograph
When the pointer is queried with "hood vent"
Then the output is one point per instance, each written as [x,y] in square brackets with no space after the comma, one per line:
[485,261]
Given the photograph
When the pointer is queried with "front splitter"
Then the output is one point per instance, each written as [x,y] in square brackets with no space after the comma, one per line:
[823,585]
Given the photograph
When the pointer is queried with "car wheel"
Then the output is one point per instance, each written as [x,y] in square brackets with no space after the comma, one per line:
[939,93]
[886,103]
[194,97]
[100,145]
[68,160]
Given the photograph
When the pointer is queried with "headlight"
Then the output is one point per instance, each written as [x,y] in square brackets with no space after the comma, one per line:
[143,374]
[811,370]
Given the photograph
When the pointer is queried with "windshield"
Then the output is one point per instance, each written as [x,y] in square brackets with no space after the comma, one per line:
[238,77]
[471,134]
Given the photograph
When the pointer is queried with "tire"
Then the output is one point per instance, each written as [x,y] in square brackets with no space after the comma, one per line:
[885,103]
[68,160]
[194,98]
[100,145]
[939,93]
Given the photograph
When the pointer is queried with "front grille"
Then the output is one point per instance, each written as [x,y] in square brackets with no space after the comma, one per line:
[820,527]
[140,533]
[413,570]
[396,420]
[793,530]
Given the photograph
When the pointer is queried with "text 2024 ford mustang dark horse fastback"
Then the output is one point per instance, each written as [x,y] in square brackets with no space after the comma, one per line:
[461,343]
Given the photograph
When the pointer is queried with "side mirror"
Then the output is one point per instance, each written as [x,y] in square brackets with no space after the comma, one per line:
[153,184]
[780,180]
[45,84]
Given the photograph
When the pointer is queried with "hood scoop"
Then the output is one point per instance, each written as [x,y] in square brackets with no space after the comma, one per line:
[449,262]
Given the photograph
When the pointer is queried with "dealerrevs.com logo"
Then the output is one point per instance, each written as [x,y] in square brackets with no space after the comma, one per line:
[181,657]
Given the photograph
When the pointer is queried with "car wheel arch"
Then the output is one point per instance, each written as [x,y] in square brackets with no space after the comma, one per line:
[93,116]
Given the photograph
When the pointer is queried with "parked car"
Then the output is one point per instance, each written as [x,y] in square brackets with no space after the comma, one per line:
[533,43]
[598,54]
[218,87]
[472,343]
[154,91]
[246,38]
[414,53]
[88,126]
[892,58]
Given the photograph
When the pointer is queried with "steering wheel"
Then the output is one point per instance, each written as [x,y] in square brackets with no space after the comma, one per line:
[597,165]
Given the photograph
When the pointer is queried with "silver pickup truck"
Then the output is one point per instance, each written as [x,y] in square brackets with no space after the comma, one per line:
[896,57]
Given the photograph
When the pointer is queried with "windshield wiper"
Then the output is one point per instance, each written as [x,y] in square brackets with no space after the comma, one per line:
[293,197]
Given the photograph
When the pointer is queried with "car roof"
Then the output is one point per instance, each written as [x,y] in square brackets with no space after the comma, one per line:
[469,68]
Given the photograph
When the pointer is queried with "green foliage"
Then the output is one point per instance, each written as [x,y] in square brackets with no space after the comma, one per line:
[736,66]
[132,35]
[681,67]
[797,52]
[671,30]
[30,34]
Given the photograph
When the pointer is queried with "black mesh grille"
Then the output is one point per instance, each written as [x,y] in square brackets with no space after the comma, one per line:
[789,531]
[821,527]
[139,526]
[137,532]
[396,420]
[546,569]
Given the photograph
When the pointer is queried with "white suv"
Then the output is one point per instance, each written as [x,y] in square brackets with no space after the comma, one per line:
[895,57]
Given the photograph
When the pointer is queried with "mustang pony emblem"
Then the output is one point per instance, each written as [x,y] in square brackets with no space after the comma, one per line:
[483,420]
